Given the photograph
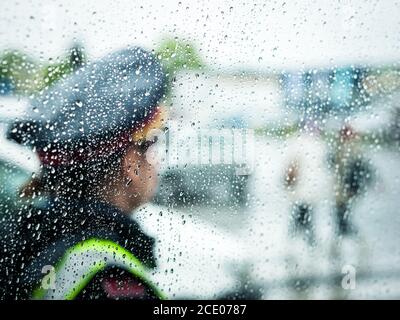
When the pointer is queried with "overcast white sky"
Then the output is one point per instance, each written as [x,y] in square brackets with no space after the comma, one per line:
[230,34]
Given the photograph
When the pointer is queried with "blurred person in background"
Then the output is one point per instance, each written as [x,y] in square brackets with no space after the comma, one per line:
[302,181]
[306,182]
[91,132]
[353,174]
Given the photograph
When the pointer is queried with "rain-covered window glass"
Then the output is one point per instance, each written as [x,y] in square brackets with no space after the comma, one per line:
[211,149]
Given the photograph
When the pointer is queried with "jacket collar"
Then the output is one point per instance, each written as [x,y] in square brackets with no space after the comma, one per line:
[94,218]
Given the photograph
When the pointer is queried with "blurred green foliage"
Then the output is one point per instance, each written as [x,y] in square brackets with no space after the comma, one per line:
[176,55]
[75,59]
[21,69]
[28,75]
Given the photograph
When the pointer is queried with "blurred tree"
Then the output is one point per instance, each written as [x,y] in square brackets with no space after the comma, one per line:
[19,71]
[176,55]
[74,60]
[21,74]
